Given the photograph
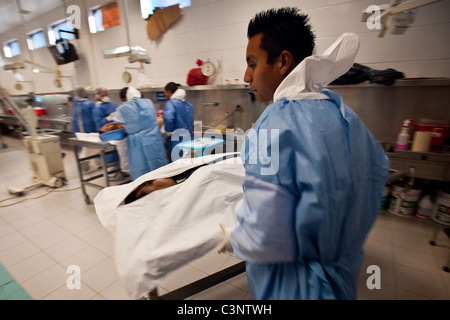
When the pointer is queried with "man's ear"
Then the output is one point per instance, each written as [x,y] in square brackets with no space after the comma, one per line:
[286,63]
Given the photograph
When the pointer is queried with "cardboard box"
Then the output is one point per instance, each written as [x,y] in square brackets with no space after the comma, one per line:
[161,20]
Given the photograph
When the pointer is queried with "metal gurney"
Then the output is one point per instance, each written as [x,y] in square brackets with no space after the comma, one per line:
[164,230]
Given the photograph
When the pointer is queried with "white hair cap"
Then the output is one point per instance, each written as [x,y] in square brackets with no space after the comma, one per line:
[100,90]
[133,93]
[80,92]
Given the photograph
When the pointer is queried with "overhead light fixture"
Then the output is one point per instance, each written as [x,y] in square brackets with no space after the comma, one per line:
[13,66]
[135,54]
[117,52]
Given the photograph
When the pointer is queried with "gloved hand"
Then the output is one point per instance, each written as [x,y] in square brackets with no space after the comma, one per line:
[225,246]
[111,116]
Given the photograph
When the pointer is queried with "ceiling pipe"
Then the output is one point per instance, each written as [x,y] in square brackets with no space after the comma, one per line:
[30,52]
[127,28]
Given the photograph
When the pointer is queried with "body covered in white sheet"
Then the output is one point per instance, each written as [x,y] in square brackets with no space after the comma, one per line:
[169,228]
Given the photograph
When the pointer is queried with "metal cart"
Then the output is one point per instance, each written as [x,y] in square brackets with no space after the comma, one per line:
[104,148]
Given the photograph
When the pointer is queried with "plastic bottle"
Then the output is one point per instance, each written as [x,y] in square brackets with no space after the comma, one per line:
[403,136]
[425,207]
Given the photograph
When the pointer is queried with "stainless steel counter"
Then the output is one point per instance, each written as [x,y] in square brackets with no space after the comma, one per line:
[63,123]
[427,165]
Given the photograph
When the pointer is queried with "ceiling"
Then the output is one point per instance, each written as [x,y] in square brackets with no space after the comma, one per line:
[10,16]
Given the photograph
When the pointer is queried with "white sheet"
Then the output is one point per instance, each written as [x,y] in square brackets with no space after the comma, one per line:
[168,228]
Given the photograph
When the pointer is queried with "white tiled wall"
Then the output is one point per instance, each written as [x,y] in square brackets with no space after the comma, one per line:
[216,30]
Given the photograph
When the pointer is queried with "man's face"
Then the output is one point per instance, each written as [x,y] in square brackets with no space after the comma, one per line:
[263,78]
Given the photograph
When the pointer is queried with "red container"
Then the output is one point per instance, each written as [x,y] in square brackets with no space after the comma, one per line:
[40,111]
[440,130]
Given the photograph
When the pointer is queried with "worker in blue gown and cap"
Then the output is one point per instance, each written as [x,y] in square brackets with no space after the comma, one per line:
[104,109]
[146,150]
[103,113]
[83,112]
[314,174]
[83,120]
[178,116]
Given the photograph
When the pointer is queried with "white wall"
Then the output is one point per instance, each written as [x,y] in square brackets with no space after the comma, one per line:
[216,30]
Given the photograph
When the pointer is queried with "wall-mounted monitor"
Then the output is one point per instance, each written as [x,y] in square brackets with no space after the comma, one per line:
[63,52]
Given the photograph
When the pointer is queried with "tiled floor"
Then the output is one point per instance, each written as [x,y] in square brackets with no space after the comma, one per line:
[42,233]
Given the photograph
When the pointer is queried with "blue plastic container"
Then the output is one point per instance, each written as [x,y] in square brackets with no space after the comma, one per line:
[200,146]
[113,135]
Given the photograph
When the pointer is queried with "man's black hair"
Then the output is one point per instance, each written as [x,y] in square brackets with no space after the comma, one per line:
[123,94]
[283,29]
[172,86]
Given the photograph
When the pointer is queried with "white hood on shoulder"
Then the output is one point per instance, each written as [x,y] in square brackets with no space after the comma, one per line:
[133,93]
[180,94]
[317,71]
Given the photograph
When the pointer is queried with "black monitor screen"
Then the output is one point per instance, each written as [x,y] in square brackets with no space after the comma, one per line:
[63,52]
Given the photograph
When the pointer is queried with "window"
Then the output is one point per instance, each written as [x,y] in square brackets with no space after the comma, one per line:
[11,48]
[36,40]
[104,17]
[61,30]
[147,6]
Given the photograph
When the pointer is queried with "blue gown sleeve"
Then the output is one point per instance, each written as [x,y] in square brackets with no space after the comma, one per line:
[190,114]
[99,117]
[118,117]
[169,117]
[266,230]
[92,113]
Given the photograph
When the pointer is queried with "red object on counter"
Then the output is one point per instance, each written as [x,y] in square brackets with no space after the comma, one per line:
[440,130]
[40,111]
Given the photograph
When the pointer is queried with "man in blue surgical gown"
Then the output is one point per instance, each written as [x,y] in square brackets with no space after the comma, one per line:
[178,114]
[146,150]
[314,173]
[104,108]
[83,112]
